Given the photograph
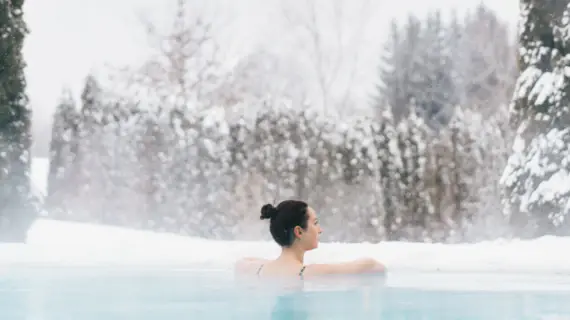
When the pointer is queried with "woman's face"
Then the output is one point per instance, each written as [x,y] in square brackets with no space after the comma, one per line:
[309,238]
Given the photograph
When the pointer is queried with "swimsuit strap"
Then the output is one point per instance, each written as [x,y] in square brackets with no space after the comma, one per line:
[301,272]
[259,270]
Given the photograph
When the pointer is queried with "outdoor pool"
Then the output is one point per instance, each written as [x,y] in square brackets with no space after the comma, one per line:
[163,293]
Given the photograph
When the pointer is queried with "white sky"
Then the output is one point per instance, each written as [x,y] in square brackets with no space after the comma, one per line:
[70,37]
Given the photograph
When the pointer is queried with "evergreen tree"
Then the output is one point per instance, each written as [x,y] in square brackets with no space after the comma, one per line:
[400,70]
[412,67]
[413,136]
[17,210]
[462,168]
[485,61]
[391,92]
[415,70]
[63,151]
[485,146]
[536,174]
[90,152]
[435,99]
[457,57]
[151,149]
[436,66]
[92,109]
[388,155]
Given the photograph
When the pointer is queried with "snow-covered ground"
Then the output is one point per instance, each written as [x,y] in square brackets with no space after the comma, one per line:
[75,244]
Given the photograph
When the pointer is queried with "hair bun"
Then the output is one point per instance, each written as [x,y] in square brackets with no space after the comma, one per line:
[268,211]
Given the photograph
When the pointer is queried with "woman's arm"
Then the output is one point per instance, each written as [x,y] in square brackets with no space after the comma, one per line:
[359,266]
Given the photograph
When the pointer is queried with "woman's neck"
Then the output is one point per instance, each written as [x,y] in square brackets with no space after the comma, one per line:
[293,254]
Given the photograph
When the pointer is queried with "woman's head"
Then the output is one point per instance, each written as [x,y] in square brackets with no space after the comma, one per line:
[293,222]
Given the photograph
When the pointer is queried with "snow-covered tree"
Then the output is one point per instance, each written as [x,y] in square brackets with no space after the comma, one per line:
[415,70]
[392,88]
[412,66]
[435,66]
[389,159]
[91,152]
[17,209]
[535,178]
[485,61]
[151,154]
[491,139]
[63,152]
[182,72]
[462,168]
[436,94]
[413,137]
[393,181]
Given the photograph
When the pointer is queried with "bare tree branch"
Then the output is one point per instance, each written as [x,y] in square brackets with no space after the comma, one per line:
[183,67]
[327,54]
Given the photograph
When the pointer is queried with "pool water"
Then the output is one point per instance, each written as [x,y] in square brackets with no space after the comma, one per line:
[113,294]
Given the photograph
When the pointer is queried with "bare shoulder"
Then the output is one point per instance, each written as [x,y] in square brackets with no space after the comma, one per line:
[365,265]
[248,265]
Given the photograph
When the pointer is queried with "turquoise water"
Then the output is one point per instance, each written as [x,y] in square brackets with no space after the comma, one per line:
[107,294]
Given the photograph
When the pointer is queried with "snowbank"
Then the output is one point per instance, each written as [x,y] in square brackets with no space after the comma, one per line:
[57,243]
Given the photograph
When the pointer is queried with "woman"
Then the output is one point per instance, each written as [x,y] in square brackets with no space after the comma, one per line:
[295,227]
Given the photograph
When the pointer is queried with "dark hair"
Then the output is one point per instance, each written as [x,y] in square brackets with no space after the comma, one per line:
[284,218]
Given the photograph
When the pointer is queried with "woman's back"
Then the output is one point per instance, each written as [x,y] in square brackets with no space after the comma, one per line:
[276,269]
[280,269]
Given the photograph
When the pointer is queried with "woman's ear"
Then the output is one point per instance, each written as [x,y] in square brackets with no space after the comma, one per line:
[298,231]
